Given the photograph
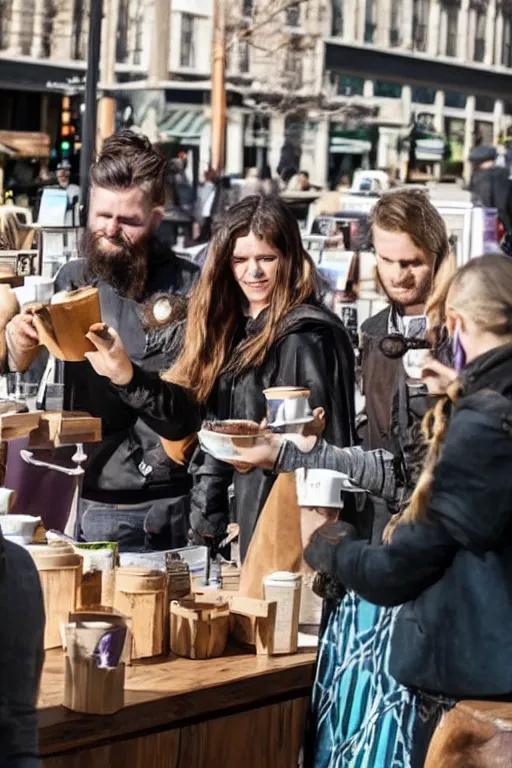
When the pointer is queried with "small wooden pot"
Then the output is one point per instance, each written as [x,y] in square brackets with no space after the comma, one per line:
[199,630]
[142,596]
[91,690]
[60,571]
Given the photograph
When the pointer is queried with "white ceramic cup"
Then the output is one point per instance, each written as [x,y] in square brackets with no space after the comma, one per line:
[287,405]
[414,360]
[321,487]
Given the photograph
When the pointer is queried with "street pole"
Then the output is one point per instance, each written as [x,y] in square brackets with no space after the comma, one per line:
[87,153]
[218,85]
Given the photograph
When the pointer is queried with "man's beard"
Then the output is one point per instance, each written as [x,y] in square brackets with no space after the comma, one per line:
[125,269]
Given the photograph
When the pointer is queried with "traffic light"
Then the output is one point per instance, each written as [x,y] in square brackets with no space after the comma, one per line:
[66,129]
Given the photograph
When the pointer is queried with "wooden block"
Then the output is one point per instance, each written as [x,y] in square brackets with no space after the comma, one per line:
[253,622]
[57,428]
[13,426]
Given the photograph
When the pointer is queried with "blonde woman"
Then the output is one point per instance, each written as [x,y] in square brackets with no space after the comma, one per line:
[449,557]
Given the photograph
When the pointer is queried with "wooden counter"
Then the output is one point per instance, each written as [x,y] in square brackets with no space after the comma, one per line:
[240,710]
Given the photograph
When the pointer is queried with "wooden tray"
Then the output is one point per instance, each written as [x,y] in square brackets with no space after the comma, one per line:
[58,428]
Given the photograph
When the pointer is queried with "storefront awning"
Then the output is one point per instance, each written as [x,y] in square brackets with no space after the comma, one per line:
[183,126]
[345,146]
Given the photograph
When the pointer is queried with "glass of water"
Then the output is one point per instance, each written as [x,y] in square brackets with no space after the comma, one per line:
[54,397]
[22,391]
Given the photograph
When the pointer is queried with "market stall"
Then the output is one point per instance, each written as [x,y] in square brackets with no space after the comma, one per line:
[236,710]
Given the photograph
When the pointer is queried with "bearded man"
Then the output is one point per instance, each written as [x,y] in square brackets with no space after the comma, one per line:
[132,492]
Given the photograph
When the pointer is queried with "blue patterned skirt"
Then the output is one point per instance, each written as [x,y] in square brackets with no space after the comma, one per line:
[362,718]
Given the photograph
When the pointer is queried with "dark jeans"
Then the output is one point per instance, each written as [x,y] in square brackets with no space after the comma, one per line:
[430,709]
[158,524]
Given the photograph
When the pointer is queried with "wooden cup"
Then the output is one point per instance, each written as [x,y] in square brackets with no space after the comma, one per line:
[91,690]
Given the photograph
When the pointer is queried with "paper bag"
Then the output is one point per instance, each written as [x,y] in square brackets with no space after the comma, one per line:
[276,542]
[63,324]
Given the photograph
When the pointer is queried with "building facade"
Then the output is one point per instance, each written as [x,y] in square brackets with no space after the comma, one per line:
[403,84]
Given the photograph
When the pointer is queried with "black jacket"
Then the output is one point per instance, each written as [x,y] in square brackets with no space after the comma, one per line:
[490,188]
[130,466]
[453,570]
[312,350]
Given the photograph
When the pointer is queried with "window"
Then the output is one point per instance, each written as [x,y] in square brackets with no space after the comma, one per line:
[122,32]
[396,23]
[506,51]
[387,90]
[452,22]
[480,36]
[423,95]
[293,16]
[77,31]
[5,22]
[370,21]
[247,8]
[187,50]
[243,56]
[455,100]
[420,24]
[139,33]
[27,13]
[337,18]
[350,86]
[484,104]
[293,66]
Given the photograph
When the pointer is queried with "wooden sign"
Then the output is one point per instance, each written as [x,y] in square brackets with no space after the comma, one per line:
[27,143]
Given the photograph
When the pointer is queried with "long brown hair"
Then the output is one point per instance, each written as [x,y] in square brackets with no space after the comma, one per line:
[482,291]
[215,307]
[411,212]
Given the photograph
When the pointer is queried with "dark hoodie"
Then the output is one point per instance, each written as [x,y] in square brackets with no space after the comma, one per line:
[21,656]
[453,570]
[312,350]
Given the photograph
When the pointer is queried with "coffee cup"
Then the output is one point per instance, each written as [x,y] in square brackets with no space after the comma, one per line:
[321,487]
[288,406]
[413,360]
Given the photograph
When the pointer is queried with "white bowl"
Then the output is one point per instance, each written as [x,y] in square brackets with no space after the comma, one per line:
[222,446]
[19,528]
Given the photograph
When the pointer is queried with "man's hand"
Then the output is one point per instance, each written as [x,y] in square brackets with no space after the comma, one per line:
[21,333]
[110,358]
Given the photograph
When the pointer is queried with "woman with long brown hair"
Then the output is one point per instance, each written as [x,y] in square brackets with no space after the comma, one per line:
[448,557]
[254,321]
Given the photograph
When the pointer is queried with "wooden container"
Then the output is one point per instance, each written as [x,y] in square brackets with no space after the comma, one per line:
[178,578]
[63,324]
[142,596]
[60,571]
[199,630]
[91,690]
[89,592]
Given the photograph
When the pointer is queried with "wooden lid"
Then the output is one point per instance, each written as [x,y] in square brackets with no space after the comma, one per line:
[55,556]
[140,580]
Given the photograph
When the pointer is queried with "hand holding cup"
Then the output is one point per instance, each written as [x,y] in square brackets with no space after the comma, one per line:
[110,358]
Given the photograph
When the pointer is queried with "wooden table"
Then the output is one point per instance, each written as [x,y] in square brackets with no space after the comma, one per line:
[238,711]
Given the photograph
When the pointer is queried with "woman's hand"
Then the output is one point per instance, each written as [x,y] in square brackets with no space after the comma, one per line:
[312,518]
[437,376]
[110,358]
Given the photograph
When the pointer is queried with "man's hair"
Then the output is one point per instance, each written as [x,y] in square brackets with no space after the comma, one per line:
[304,173]
[129,160]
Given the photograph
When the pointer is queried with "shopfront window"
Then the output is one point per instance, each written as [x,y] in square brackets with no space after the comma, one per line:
[243,57]
[455,100]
